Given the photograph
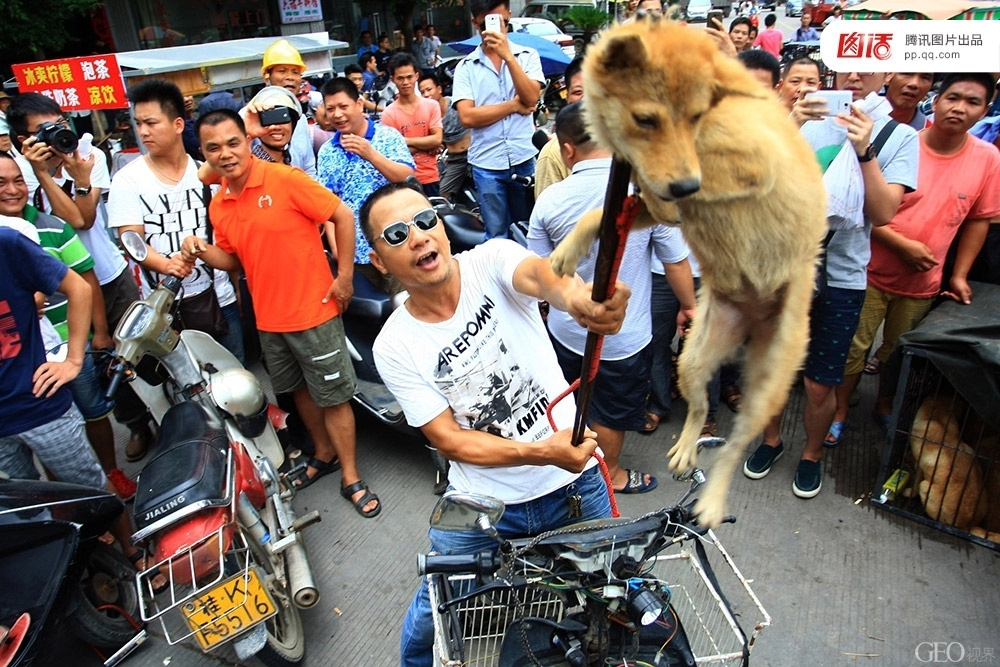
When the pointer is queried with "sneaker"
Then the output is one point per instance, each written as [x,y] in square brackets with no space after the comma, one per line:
[124,487]
[808,479]
[138,443]
[760,462]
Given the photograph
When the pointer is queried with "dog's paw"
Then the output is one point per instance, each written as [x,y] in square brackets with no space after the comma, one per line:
[710,510]
[683,456]
[564,259]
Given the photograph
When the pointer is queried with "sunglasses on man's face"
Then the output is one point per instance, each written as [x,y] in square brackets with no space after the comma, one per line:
[396,233]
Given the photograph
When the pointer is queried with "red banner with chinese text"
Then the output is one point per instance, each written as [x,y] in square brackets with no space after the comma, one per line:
[76,84]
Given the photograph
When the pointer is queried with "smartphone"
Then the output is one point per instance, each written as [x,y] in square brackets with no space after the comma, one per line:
[714,19]
[276,116]
[494,23]
[837,101]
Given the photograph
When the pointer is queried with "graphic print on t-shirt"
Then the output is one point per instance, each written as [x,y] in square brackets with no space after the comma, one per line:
[168,219]
[486,387]
[10,337]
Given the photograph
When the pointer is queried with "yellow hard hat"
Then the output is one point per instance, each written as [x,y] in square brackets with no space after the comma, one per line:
[281,53]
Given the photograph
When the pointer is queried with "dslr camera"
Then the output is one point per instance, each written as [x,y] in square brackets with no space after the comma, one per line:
[59,137]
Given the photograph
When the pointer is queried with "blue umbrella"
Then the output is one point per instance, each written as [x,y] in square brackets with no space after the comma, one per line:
[554,61]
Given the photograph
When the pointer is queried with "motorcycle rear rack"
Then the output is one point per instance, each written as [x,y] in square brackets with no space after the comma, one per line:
[714,634]
[175,627]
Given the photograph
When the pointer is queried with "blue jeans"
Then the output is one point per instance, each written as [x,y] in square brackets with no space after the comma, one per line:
[664,306]
[501,201]
[233,341]
[549,512]
[88,393]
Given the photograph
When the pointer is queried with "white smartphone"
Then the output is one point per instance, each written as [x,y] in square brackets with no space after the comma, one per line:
[494,23]
[837,101]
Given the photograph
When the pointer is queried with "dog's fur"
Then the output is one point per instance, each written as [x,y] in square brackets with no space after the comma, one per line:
[949,480]
[664,98]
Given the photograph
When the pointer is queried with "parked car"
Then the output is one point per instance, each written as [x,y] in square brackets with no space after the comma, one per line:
[697,10]
[544,9]
[793,7]
[767,5]
[546,30]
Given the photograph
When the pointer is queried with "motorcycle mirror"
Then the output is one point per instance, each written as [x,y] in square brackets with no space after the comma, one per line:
[135,246]
[457,511]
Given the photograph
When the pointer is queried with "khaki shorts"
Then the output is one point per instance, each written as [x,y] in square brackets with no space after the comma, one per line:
[316,358]
[900,313]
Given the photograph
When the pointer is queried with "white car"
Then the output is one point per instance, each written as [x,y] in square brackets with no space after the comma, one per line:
[697,10]
[546,30]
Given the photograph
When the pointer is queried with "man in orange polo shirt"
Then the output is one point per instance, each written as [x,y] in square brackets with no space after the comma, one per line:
[267,218]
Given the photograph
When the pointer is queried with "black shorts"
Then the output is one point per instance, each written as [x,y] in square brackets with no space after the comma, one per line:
[832,324]
[620,388]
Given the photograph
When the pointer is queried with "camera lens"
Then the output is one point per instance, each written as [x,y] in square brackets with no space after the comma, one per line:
[64,141]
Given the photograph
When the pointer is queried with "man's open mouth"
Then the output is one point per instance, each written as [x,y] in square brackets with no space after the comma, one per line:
[429,258]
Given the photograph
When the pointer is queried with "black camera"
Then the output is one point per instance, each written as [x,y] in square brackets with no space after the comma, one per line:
[58,137]
[277,116]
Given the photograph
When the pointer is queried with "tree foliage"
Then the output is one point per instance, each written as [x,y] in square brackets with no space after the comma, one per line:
[39,29]
[587,19]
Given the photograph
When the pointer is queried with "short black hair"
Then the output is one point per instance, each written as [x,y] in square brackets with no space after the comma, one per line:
[366,32]
[770,20]
[401,59]
[430,76]
[365,57]
[383,36]
[983,79]
[218,117]
[740,20]
[165,93]
[364,215]
[575,67]
[571,126]
[762,60]
[477,7]
[340,84]
[804,60]
[29,104]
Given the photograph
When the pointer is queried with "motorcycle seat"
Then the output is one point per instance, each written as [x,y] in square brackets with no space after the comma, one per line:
[190,466]
[368,301]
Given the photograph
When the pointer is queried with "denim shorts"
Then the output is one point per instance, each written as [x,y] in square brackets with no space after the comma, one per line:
[832,324]
[88,391]
[620,389]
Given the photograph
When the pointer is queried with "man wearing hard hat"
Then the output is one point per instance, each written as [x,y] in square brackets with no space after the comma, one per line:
[283,66]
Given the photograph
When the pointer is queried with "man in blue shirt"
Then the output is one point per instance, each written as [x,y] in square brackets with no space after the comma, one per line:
[495,92]
[805,32]
[361,157]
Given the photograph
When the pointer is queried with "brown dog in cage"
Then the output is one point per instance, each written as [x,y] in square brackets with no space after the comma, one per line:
[949,480]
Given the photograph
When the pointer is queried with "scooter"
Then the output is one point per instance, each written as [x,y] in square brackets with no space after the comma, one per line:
[215,516]
[56,575]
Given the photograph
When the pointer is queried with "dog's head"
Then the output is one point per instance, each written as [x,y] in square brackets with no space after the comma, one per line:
[652,87]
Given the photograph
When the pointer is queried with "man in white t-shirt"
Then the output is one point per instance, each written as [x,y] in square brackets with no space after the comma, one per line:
[160,197]
[70,186]
[468,358]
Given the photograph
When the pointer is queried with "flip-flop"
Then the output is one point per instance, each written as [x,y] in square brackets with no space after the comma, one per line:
[710,428]
[732,397]
[883,422]
[360,503]
[837,431]
[299,475]
[652,423]
[873,366]
[637,484]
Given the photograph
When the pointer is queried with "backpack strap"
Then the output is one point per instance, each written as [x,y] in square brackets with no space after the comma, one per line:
[883,136]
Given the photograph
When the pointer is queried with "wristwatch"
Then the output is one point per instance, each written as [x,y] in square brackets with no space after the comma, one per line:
[869,154]
[83,192]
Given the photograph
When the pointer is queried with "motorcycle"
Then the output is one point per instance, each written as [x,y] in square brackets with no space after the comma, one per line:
[595,593]
[215,516]
[56,574]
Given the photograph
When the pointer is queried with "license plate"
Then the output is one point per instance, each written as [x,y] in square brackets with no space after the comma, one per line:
[230,608]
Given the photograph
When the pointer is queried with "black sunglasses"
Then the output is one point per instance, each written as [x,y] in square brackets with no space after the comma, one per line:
[397,233]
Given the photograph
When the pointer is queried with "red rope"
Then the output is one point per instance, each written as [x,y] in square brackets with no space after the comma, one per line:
[623,224]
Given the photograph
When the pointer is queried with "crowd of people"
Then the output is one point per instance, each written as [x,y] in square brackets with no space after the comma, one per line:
[227,191]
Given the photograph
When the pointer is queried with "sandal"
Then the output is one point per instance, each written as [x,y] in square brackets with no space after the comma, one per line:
[139,562]
[637,482]
[299,475]
[883,422]
[873,366]
[835,434]
[360,503]
[710,429]
[732,397]
[652,423]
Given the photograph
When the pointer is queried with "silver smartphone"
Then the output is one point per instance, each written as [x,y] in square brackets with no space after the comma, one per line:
[837,101]
[494,23]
